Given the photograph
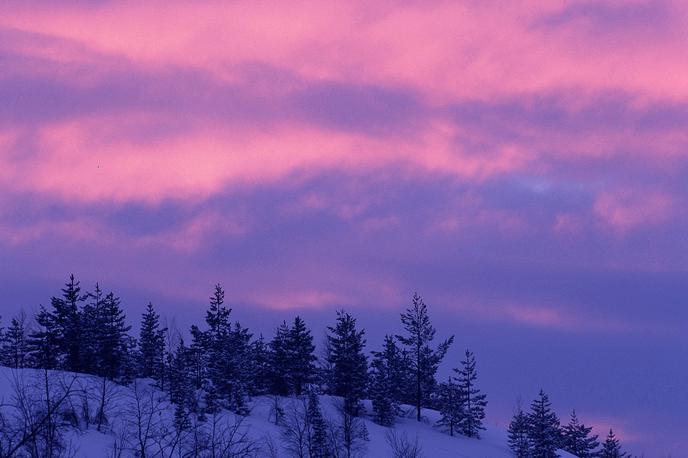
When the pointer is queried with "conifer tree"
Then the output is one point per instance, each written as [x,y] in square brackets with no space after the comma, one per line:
[317,439]
[349,364]
[151,345]
[473,402]
[578,439]
[181,388]
[386,379]
[543,428]
[112,342]
[450,406]
[14,348]
[91,321]
[43,343]
[611,448]
[424,360]
[279,361]
[518,434]
[261,369]
[301,359]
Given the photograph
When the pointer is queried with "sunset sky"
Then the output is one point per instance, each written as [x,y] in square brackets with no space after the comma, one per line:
[523,165]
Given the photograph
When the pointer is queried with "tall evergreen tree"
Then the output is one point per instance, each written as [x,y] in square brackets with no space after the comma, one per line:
[151,345]
[349,364]
[543,428]
[261,368]
[68,320]
[473,402]
[578,439]
[450,406]
[611,448]
[301,359]
[14,347]
[279,361]
[518,440]
[91,322]
[113,342]
[386,379]
[424,360]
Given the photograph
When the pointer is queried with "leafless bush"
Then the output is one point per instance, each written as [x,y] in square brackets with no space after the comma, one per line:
[402,446]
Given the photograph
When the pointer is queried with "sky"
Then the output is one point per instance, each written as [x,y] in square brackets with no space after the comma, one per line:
[520,164]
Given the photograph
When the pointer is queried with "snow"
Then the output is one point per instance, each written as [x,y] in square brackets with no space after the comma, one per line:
[87,442]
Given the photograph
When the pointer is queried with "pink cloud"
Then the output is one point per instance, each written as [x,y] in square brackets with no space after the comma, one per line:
[627,209]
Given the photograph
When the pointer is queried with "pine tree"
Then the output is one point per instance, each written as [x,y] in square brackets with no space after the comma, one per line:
[14,348]
[386,378]
[151,345]
[450,406]
[611,448]
[424,360]
[518,434]
[473,402]
[349,364]
[578,440]
[301,359]
[261,368]
[67,319]
[543,428]
[43,343]
[112,341]
[317,438]
[279,361]
[181,389]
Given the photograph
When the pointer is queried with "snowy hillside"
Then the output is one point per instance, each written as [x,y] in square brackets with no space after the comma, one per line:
[140,417]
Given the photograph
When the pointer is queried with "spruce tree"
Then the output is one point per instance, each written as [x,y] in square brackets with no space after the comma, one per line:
[279,361]
[518,434]
[151,345]
[317,437]
[181,388]
[43,343]
[14,348]
[68,321]
[261,369]
[386,378]
[301,359]
[90,330]
[578,439]
[450,406]
[473,402]
[424,360]
[543,428]
[349,364]
[611,448]
[112,341]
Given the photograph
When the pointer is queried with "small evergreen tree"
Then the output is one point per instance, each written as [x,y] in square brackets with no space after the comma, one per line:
[14,348]
[518,434]
[261,369]
[113,341]
[67,321]
[349,376]
[43,343]
[300,356]
[317,440]
[543,428]
[473,402]
[578,439]
[385,381]
[611,448]
[181,388]
[151,345]
[450,406]
[424,360]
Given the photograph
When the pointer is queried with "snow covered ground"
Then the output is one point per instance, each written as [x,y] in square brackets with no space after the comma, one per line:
[127,406]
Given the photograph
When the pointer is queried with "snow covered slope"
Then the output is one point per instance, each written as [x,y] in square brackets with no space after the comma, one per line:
[129,410]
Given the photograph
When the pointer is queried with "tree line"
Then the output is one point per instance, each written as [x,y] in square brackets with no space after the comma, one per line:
[224,365]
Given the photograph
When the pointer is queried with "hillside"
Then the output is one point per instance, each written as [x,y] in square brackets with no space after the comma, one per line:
[141,407]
